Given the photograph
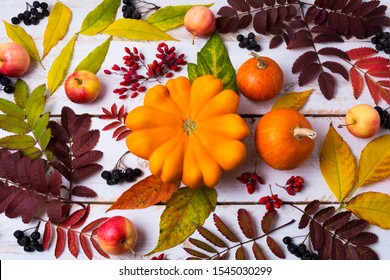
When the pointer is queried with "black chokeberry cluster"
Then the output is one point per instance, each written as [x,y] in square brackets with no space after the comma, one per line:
[30,243]
[129,10]
[33,14]
[384,116]
[299,250]
[118,175]
[381,40]
[6,84]
[249,42]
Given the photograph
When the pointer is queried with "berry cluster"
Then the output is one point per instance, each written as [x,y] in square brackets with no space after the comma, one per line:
[384,116]
[168,62]
[248,42]
[6,84]
[118,175]
[293,185]
[33,13]
[381,40]
[250,179]
[129,10]
[300,250]
[30,243]
[158,258]
[271,202]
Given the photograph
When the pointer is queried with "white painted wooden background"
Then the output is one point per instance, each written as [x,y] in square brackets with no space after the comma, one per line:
[232,195]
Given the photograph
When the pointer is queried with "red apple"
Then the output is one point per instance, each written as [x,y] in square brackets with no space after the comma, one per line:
[14,60]
[200,21]
[362,121]
[117,235]
[82,87]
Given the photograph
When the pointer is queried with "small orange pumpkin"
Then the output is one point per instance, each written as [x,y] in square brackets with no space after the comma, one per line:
[284,138]
[260,78]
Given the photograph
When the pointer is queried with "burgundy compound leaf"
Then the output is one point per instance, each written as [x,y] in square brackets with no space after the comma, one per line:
[304,221]
[311,14]
[336,68]
[240,253]
[118,131]
[366,253]
[82,125]
[325,252]
[72,243]
[257,252]
[99,249]
[85,246]
[85,142]
[107,113]
[327,85]
[224,230]
[227,24]
[351,252]
[325,38]
[244,21]
[202,245]
[85,171]
[239,5]
[312,207]
[316,235]
[302,61]
[196,253]
[86,159]
[83,191]
[275,248]
[260,22]
[356,81]
[351,229]
[111,125]
[211,237]
[73,218]
[82,220]
[227,11]
[46,239]
[276,41]
[385,94]
[324,214]
[54,211]
[266,222]
[123,134]
[93,225]
[338,249]
[309,73]
[245,223]
[54,183]
[334,52]
[68,119]
[255,3]
[364,239]
[60,243]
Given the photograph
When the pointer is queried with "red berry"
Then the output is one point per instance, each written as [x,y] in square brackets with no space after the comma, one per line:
[251,188]
[264,199]
[290,190]
[269,206]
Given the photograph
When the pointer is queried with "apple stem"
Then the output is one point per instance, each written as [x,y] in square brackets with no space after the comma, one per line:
[79,81]
[348,124]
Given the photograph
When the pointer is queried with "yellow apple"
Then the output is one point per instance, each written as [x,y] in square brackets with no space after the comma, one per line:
[82,87]
[362,121]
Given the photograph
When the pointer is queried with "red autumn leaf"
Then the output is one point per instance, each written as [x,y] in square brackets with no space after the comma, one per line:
[380,71]
[337,220]
[333,51]
[304,221]
[327,85]
[86,159]
[196,253]
[227,11]
[316,235]
[60,243]
[384,83]
[351,253]
[73,218]
[85,142]
[82,220]
[85,246]
[99,249]
[324,214]
[111,125]
[107,113]
[260,22]
[338,249]
[114,109]
[373,88]
[121,113]
[83,191]
[337,68]
[118,131]
[357,82]
[385,94]
[85,171]
[239,5]
[224,230]
[46,236]
[275,42]
[302,61]
[275,248]
[123,134]
[93,225]
[326,251]
[364,238]
[370,62]
[309,73]
[360,53]
[145,193]
[54,183]
[366,253]
[266,221]
[351,229]
[211,237]
[72,243]
[245,223]
[202,245]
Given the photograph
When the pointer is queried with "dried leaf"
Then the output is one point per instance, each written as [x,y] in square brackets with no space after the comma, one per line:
[373,207]
[21,37]
[245,223]
[360,53]
[185,210]
[325,252]
[240,253]
[304,221]
[57,26]
[73,218]
[222,228]
[211,237]
[356,81]
[337,164]
[60,65]
[85,142]
[60,243]
[275,248]
[134,29]
[304,60]
[373,88]
[94,60]
[202,245]
[293,100]
[351,253]
[338,249]
[170,17]
[366,253]
[324,214]
[337,68]
[100,17]
[337,221]
[312,207]
[147,192]
[308,73]
[257,252]
[83,191]
[374,163]
[97,247]
[72,243]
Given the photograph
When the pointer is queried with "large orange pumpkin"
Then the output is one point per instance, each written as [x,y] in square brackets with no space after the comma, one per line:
[188,132]
[259,78]
[284,138]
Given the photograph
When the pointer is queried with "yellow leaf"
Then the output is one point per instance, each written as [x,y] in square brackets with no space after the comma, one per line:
[374,207]
[57,26]
[60,66]
[134,29]
[21,37]
[374,164]
[337,164]
[293,100]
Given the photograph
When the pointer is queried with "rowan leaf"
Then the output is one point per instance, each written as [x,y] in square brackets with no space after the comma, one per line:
[46,236]
[337,221]
[211,237]
[98,248]
[20,93]
[147,192]
[57,26]
[366,253]
[356,81]
[85,246]
[337,68]
[360,53]
[85,142]
[170,17]
[35,104]
[364,238]
[325,252]
[240,253]
[135,29]
[185,211]
[373,207]
[245,223]
[337,164]
[293,100]
[60,65]
[60,243]
[100,17]
[17,142]
[351,229]
[257,252]
[316,235]
[327,85]
[72,243]
[196,253]
[304,60]
[267,220]
[21,37]
[275,248]
[324,214]
[367,63]
[224,230]
[14,125]
[94,60]
[93,225]
[202,245]
[374,163]
[83,191]
[11,109]
[73,218]
[373,88]
[41,125]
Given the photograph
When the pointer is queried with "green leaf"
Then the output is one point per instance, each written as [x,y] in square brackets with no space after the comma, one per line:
[192,70]
[57,26]
[21,37]
[41,125]
[17,142]
[134,29]
[11,109]
[170,17]
[35,104]
[214,59]
[60,66]
[20,93]
[94,59]
[185,210]
[13,125]
[43,141]
[32,152]
[100,17]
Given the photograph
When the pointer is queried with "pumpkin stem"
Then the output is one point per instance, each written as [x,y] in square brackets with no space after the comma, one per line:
[189,126]
[261,62]
[300,132]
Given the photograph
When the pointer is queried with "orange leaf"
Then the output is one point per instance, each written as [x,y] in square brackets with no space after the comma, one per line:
[357,82]
[85,246]
[145,193]
[72,243]
[61,241]
[360,53]
[373,88]
[367,63]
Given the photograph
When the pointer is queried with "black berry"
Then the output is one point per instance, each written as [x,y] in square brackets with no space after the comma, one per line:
[251,35]
[18,234]
[35,235]
[287,240]
[39,248]
[9,89]
[301,248]
[137,172]
[240,37]
[44,6]
[15,20]
[292,248]
[36,4]
[106,175]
